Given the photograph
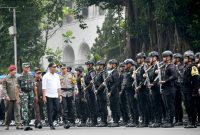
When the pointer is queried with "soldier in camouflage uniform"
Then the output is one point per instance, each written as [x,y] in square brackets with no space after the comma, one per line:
[27,85]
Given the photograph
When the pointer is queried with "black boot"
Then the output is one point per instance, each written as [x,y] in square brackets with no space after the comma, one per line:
[66,125]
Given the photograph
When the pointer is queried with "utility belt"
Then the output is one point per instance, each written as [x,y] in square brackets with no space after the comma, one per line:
[26,90]
[67,89]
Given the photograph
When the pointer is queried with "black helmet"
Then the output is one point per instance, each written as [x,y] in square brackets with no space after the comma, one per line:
[122,64]
[130,61]
[147,60]
[89,62]
[113,61]
[80,69]
[153,53]
[189,54]
[69,67]
[197,55]
[101,62]
[177,55]
[167,53]
[141,55]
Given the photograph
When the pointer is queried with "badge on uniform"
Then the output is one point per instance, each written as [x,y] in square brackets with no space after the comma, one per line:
[194,71]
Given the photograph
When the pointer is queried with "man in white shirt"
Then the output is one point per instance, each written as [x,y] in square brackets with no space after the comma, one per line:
[51,93]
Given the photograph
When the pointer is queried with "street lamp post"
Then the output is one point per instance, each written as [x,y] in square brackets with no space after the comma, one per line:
[13,32]
[15,36]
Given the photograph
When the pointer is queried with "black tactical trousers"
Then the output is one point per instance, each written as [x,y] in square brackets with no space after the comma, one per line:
[115,108]
[102,101]
[144,103]
[132,105]
[82,107]
[124,107]
[92,106]
[191,106]
[178,105]
[2,110]
[157,105]
[68,109]
[198,109]
[169,100]
[52,109]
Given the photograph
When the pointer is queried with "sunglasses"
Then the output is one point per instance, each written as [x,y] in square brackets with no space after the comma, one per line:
[39,73]
[63,68]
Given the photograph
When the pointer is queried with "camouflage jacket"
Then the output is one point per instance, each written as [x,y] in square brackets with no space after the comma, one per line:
[26,82]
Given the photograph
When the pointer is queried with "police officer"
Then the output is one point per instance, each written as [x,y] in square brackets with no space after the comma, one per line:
[90,92]
[168,87]
[101,92]
[113,92]
[130,92]
[122,93]
[190,88]
[67,89]
[12,100]
[197,61]
[177,60]
[26,83]
[142,90]
[155,90]
[81,101]
[39,105]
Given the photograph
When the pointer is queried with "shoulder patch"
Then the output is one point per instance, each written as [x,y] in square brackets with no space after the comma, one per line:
[194,71]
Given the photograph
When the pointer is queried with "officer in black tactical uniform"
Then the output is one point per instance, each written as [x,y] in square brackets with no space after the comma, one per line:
[168,87]
[113,93]
[101,92]
[90,92]
[177,58]
[81,102]
[155,90]
[142,90]
[122,93]
[197,61]
[127,86]
[190,88]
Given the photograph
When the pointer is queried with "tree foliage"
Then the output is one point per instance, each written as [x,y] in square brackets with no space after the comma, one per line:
[111,37]
[157,24]
[37,21]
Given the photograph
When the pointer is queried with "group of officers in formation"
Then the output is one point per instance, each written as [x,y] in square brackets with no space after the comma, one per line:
[148,92]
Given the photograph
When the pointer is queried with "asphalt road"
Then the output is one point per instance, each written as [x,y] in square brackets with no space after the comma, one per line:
[103,131]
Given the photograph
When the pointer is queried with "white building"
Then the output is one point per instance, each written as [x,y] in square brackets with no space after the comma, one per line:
[76,53]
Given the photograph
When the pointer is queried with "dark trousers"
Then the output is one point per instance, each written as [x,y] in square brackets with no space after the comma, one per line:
[82,107]
[115,108]
[191,107]
[157,105]
[124,107]
[169,100]
[68,109]
[102,101]
[2,110]
[39,110]
[132,105]
[92,106]
[178,106]
[52,109]
[144,103]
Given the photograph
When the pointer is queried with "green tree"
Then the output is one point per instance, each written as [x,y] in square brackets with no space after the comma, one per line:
[110,41]
[37,21]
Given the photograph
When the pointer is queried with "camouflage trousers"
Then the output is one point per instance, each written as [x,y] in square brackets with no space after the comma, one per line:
[27,106]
